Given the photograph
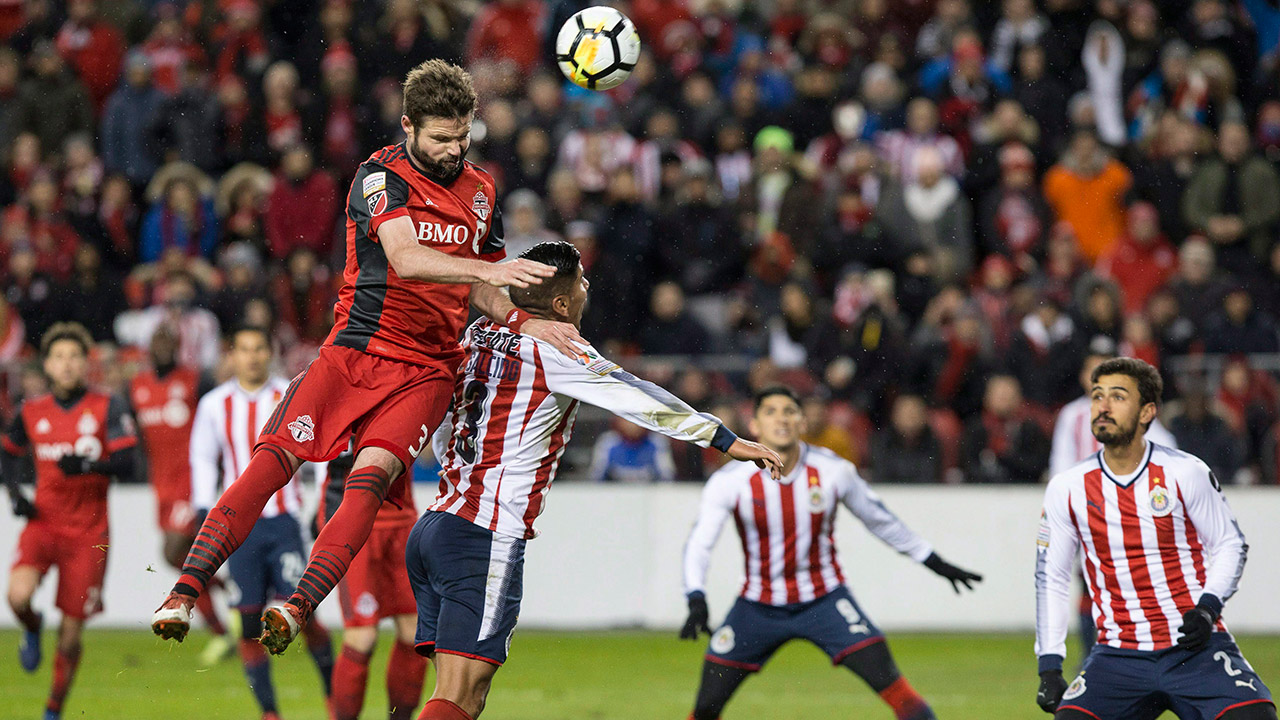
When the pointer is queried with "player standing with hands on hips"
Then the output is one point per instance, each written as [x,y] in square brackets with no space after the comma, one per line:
[424,236]
[1147,517]
[794,587]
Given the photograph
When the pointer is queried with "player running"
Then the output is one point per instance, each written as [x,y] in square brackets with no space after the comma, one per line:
[163,400]
[376,586]
[424,237]
[1147,517]
[269,561]
[794,587]
[79,439]
[513,413]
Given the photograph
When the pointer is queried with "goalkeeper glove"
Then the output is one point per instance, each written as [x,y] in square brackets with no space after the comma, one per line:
[22,507]
[698,616]
[1052,688]
[1197,623]
[957,576]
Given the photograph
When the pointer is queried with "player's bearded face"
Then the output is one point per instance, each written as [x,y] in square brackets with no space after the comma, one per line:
[1114,411]
[440,145]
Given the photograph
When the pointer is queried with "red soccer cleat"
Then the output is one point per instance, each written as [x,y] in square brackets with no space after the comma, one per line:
[281,624]
[172,620]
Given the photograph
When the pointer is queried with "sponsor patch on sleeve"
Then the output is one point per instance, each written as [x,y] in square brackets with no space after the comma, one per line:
[591,360]
[373,182]
[1042,536]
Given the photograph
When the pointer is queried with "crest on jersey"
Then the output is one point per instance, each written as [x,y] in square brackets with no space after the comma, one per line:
[87,425]
[817,500]
[1161,503]
[43,426]
[723,641]
[1075,689]
[303,429]
[480,205]
[378,203]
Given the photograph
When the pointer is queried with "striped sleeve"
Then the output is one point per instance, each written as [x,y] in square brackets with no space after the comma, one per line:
[121,432]
[1206,507]
[1056,544]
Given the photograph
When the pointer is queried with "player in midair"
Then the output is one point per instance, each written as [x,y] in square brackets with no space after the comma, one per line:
[424,237]
[376,586]
[512,415]
[794,586]
[163,399]
[80,439]
[270,560]
[1148,519]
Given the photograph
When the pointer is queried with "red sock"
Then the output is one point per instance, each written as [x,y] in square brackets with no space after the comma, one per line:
[405,672]
[350,675]
[64,671]
[441,709]
[230,521]
[905,701]
[342,536]
[204,605]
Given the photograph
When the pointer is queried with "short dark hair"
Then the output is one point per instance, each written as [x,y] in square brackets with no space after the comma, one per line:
[437,88]
[769,391]
[562,256]
[242,328]
[1150,385]
[72,331]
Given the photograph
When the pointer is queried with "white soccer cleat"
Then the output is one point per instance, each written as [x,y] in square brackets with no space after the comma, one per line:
[172,620]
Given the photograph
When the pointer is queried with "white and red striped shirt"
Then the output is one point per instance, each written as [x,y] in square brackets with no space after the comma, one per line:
[1073,438]
[1146,538]
[226,427]
[787,527]
[512,415]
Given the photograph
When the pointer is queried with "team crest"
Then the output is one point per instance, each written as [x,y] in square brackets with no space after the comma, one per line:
[88,424]
[723,641]
[1161,503]
[378,203]
[817,501]
[303,429]
[1075,689]
[480,205]
[367,605]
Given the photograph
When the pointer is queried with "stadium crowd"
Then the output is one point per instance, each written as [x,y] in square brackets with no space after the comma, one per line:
[924,214]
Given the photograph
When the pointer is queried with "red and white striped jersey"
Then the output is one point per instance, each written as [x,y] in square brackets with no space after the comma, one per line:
[1073,438]
[786,527]
[226,427]
[1146,537]
[512,415]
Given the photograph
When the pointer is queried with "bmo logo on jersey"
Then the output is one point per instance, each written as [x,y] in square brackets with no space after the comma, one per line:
[443,234]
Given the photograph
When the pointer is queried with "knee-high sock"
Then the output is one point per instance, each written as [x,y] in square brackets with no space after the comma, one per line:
[28,618]
[874,664]
[342,536]
[440,709]
[405,672]
[64,671]
[320,646]
[719,682]
[258,670]
[906,702]
[234,515]
[350,676]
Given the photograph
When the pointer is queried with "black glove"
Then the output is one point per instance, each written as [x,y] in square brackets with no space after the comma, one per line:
[1052,688]
[1197,626]
[75,465]
[698,616]
[22,507]
[957,576]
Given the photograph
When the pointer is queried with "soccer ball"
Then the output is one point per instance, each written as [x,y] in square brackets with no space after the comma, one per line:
[597,48]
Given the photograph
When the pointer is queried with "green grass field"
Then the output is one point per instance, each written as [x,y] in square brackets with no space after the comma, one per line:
[560,676]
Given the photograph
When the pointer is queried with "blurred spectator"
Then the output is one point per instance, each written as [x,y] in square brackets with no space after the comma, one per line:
[118,216]
[1234,200]
[186,124]
[1239,327]
[241,267]
[171,48]
[129,124]
[93,48]
[524,222]
[304,296]
[1013,217]
[303,206]
[532,163]
[29,292]
[964,84]
[1247,399]
[1043,355]
[858,348]
[241,205]
[39,223]
[1203,432]
[792,328]
[1266,290]
[52,102]
[1142,261]
[13,333]
[906,450]
[732,160]
[1041,94]
[40,23]
[929,211]
[631,454]
[1162,171]
[199,339]
[1007,126]
[670,329]
[709,256]
[778,199]
[1198,287]
[1104,59]
[822,432]
[898,148]
[951,355]
[343,119]
[181,215]
[282,116]
[1098,304]
[10,72]
[92,296]
[628,252]
[1020,26]
[509,30]
[949,17]
[1003,444]
[242,45]
[1086,189]
[241,133]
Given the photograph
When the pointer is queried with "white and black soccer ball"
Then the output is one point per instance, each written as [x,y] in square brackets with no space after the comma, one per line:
[597,48]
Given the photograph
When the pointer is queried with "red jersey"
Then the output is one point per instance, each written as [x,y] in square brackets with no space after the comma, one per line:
[95,425]
[164,408]
[379,312]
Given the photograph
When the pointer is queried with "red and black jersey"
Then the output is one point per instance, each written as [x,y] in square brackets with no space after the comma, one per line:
[164,407]
[96,425]
[383,314]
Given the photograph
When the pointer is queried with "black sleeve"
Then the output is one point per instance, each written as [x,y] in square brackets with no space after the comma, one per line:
[120,428]
[375,191]
[15,438]
[494,242]
[15,467]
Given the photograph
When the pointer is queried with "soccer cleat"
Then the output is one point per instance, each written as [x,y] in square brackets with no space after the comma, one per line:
[218,649]
[281,624]
[172,620]
[270,716]
[52,714]
[29,647]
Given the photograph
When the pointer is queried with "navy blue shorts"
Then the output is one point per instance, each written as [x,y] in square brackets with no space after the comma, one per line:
[268,564]
[753,632]
[1136,685]
[467,582]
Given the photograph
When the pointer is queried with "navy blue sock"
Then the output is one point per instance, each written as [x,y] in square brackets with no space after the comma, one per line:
[258,670]
[322,654]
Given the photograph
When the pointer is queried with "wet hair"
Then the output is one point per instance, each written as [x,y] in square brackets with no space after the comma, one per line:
[771,390]
[560,255]
[437,88]
[72,331]
[1150,386]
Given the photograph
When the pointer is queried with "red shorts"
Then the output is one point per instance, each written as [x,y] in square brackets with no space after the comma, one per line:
[81,559]
[174,515]
[386,403]
[376,585]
